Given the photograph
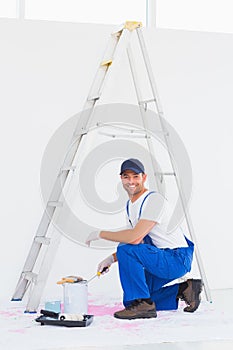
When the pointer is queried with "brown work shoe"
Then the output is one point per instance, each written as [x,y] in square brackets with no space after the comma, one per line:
[192,294]
[138,309]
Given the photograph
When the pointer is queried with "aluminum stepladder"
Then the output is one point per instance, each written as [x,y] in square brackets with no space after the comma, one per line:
[47,238]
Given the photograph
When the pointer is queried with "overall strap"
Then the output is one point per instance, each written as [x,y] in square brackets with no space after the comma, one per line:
[127,211]
[140,210]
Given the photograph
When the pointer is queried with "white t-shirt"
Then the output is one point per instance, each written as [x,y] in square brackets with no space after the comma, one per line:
[156,208]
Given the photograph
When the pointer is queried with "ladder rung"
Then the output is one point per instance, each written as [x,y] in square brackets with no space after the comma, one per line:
[93,98]
[80,133]
[132,135]
[55,204]
[30,276]
[146,101]
[106,63]
[118,31]
[68,168]
[166,174]
[42,240]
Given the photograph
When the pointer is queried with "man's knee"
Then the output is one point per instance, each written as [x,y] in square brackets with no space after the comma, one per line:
[124,249]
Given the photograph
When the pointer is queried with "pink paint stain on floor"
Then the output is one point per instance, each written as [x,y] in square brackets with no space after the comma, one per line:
[103,310]
[21,331]
[108,310]
[9,313]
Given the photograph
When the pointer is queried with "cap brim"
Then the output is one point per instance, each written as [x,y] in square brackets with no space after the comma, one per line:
[136,171]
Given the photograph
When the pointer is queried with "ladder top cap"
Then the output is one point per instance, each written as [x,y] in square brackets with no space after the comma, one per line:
[131,25]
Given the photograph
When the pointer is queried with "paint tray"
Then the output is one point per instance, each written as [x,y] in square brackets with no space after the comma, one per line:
[51,319]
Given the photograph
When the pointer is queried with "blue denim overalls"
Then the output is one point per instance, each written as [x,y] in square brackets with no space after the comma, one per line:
[144,269]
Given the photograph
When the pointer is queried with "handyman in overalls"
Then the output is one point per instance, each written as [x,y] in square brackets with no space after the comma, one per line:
[148,256]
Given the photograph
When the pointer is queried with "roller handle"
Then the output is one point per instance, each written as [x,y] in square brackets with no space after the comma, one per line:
[104,269]
[49,313]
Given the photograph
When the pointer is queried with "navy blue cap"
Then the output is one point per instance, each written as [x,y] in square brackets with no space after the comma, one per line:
[132,164]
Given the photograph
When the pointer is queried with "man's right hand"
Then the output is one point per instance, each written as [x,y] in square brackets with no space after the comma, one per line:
[105,264]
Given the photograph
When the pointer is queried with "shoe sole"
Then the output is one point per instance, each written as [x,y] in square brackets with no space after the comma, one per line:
[148,314]
[197,286]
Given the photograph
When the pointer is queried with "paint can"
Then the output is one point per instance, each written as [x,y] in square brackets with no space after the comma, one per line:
[75,297]
[54,306]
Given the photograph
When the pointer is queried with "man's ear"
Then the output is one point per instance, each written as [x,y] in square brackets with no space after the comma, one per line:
[144,176]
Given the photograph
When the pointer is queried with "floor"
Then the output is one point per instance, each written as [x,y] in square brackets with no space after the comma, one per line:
[210,345]
[210,327]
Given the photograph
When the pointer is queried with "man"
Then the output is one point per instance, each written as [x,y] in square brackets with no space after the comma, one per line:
[148,256]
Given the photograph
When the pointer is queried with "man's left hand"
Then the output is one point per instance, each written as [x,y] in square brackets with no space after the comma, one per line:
[93,236]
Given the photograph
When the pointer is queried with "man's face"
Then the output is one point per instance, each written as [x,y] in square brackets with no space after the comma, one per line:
[133,183]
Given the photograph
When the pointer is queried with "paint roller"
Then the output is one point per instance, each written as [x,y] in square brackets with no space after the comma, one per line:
[71,317]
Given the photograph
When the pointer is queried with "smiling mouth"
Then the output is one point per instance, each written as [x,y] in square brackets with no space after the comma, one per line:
[131,187]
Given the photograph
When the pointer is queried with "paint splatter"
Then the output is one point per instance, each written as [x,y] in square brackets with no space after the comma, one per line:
[102,310]
[21,331]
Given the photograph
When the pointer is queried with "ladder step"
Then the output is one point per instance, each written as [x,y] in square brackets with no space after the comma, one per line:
[132,135]
[146,101]
[30,276]
[68,168]
[93,98]
[42,240]
[55,204]
[166,174]
[106,63]
[118,31]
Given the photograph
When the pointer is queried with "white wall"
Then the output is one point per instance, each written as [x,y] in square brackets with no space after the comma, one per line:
[207,15]
[46,71]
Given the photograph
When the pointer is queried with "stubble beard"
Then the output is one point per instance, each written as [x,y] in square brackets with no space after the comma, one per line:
[132,192]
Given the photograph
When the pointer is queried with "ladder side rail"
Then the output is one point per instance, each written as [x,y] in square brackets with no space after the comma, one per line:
[38,285]
[80,131]
[101,71]
[41,232]
[167,141]
[30,261]
[122,38]
[143,114]
[47,216]
[121,41]
[39,282]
